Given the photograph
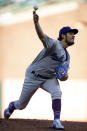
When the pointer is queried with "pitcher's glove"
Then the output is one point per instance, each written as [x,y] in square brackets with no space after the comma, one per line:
[61,71]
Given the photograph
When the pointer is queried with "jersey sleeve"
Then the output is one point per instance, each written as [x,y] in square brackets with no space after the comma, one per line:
[49,42]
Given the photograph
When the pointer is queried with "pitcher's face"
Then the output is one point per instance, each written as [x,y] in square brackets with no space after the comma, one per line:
[69,38]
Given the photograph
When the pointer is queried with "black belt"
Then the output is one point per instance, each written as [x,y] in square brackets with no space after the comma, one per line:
[38,75]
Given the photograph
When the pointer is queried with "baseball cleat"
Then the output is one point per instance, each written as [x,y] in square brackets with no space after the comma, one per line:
[57,125]
[9,110]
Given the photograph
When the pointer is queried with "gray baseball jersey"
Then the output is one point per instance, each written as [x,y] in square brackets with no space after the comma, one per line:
[49,58]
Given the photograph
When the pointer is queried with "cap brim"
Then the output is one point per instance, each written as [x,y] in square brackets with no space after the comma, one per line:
[75,31]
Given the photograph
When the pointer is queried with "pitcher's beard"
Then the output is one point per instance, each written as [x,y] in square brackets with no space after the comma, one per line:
[69,43]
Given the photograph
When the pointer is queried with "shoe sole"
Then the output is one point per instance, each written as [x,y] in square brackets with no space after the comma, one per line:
[57,128]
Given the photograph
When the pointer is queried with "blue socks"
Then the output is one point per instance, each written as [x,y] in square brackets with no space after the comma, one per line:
[56,106]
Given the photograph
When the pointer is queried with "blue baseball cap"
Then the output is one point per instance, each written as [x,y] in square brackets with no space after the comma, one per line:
[67,29]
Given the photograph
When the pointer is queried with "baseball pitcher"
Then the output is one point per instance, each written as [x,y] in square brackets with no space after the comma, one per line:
[50,66]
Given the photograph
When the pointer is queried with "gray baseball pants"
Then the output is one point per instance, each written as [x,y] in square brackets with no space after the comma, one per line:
[30,86]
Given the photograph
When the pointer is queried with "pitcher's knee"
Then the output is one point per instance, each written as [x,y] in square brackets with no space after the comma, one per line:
[56,95]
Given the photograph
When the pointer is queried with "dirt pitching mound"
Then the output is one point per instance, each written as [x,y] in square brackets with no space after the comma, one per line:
[38,125]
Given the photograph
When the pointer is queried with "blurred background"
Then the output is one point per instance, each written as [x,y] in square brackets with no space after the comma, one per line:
[19,45]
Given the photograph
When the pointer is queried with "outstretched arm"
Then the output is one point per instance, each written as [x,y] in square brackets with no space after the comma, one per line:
[39,31]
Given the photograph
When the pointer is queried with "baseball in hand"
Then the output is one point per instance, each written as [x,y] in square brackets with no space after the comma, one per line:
[35,7]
